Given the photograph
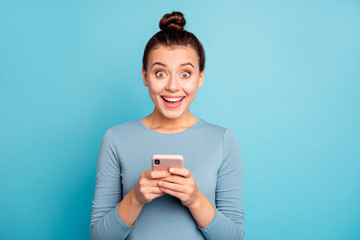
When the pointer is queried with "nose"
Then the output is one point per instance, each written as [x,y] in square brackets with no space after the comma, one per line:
[172,84]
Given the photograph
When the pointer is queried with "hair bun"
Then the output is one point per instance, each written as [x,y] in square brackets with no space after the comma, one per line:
[172,20]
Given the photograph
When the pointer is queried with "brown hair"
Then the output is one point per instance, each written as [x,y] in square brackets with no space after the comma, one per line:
[173,34]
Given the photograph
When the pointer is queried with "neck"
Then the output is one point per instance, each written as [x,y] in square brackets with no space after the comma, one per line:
[156,120]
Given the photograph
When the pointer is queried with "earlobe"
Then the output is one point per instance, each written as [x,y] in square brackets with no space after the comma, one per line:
[201,82]
[201,79]
[144,76]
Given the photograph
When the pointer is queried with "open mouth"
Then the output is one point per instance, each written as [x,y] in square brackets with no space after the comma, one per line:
[172,100]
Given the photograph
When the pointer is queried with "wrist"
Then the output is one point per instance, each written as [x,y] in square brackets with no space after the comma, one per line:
[197,201]
[134,199]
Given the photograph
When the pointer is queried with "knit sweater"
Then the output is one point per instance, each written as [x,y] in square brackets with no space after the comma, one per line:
[210,152]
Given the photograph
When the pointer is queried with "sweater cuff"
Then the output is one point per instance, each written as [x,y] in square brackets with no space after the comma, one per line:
[119,220]
[212,223]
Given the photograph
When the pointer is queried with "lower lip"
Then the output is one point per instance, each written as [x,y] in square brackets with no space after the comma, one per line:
[173,105]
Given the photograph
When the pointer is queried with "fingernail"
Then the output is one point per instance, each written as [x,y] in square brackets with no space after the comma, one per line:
[171,170]
[160,183]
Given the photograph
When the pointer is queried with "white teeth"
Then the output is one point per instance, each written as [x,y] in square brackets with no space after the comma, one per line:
[173,99]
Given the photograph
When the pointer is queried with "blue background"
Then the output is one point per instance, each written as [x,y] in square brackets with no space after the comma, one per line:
[283,75]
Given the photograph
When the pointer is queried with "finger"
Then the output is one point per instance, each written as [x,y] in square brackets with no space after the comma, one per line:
[172,186]
[174,179]
[156,174]
[144,182]
[159,174]
[181,171]
[155,190]
[178,195]
[151,197]
[157,194]
[150,190]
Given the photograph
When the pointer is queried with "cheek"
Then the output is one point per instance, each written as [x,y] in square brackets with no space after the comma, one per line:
[154,87]
[190,88]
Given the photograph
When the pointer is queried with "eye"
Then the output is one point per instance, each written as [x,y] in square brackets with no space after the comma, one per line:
[185,75]
[160,74]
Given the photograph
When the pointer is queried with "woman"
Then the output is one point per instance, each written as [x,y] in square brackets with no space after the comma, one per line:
[203,200]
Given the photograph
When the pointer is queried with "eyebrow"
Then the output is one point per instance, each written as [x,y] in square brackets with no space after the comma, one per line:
[159,63]
[188,63]
[162,64]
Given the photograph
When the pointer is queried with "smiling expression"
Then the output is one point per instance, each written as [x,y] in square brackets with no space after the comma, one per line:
[173,77]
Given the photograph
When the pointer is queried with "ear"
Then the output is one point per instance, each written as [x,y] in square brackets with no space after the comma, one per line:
[201,80]
[144,76]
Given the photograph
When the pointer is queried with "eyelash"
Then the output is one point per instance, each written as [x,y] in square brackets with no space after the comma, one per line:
[187,73]
[157,72]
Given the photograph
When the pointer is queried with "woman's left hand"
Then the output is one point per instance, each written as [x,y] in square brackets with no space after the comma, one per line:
[181,184]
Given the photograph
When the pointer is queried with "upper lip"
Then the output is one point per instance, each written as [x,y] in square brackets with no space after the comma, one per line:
[169,96]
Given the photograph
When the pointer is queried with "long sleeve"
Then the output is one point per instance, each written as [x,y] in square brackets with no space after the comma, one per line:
[106,222]
[228,222]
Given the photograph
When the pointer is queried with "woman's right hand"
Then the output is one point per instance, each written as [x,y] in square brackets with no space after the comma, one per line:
[147,189]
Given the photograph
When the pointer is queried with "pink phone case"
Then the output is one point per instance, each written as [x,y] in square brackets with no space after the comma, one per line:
[164,162]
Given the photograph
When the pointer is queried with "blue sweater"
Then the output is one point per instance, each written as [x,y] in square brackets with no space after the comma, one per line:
[210,152]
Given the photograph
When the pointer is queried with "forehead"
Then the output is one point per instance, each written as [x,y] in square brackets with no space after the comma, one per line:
[173,55]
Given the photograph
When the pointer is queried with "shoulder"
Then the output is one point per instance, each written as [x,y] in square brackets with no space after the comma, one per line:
[211,127]
[125,125]
[124,128]
[121,132]
[227,137]
[217,129]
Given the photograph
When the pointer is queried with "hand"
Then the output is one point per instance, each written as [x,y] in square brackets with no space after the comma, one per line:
[181,184]
[147,188]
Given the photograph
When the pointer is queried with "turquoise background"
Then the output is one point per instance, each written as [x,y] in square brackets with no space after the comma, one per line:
[283,75]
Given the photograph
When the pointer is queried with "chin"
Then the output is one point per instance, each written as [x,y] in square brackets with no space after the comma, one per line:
[172,115]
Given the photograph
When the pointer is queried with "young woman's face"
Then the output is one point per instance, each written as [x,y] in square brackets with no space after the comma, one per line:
[173,77]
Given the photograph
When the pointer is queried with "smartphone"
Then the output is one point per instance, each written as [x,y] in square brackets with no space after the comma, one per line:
[164,162]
